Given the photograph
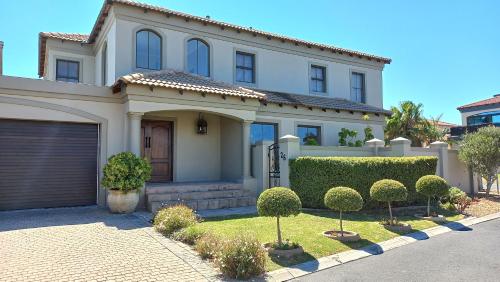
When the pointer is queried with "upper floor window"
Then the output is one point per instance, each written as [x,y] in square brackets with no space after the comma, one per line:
[198,57]
[104,63]
[309,135]
[148,50]
[318,79]
[68,71]
[358,87]
[245,67]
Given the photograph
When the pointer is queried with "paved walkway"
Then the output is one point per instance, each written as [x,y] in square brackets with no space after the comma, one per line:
[467,255]
[89,244]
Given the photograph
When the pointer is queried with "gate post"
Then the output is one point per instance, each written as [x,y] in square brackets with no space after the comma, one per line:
[289,149]
[260,165]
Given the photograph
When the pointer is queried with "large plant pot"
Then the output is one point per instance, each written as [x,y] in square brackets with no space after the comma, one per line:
[122,202]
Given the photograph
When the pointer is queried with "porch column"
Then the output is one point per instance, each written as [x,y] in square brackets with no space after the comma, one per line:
[246,148]
[134,132]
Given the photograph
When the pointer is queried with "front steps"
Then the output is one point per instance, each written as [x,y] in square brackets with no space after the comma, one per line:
[198,195]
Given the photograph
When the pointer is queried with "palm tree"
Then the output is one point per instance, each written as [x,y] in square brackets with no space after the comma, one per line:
[408,121]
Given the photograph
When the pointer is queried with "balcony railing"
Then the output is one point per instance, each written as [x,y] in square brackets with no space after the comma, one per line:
[459,131]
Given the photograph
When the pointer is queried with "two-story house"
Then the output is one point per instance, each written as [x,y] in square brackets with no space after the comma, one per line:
[189,93]
[478,114]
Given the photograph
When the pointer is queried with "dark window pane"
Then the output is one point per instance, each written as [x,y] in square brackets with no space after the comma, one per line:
[67,71]
[154,51]
[240,59]
[245,67]
[148,50]
[191,56]
[142,49]
[203,59]
[263,132]
[240,74]
[198,57]
[309,135]
[317,80]
[357,87]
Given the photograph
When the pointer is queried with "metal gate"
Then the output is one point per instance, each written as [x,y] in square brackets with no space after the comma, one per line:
[274,165]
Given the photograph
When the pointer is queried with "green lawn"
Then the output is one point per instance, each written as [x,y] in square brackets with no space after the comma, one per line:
[307,228]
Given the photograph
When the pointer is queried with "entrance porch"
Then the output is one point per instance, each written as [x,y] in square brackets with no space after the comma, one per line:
[204,170]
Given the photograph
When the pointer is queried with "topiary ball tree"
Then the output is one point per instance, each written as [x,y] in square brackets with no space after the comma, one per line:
[343,199]
[388,190]
[278,202]
[431,186]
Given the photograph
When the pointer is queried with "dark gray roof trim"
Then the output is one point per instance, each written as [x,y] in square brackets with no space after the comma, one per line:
[320,102]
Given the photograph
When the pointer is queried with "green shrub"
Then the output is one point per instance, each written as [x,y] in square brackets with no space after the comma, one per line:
[388,190]
[458,199]
[188,235]
[278,202]
[174,218]
[431,186]
[311,177]
[207,245]
[126,172]
[343,199]
[241,258]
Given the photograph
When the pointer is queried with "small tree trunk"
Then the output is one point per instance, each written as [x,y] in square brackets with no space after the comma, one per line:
[391,222]
[279,230]
[429,206]
[489,183]
[341,228]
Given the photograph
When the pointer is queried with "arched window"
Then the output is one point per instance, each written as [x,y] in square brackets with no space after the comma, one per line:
[198,57]
[147,50]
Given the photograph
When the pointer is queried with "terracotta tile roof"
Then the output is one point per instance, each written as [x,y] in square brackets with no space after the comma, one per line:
[179,80]
[183,81]
[321,102]
[107,4]
[83,38]
[42,41]
[490,101]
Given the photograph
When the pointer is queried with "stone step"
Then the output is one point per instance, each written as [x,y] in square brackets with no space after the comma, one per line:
[188,196]
[159,188]
[208,204]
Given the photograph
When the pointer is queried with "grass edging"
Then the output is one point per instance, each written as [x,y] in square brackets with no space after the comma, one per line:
[374,249]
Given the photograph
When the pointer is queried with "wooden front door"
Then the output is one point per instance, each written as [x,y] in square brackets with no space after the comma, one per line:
[156,146]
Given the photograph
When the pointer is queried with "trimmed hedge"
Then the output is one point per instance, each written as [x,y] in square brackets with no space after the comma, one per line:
[311,177]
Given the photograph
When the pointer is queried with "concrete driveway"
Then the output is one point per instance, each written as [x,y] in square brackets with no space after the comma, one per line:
[455,256]
[89,244]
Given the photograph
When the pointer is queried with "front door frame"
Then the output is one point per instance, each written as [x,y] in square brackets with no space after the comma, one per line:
[171,152]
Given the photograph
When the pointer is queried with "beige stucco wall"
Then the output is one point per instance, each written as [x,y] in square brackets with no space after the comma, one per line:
[231,144]
[196,157]
[277,68]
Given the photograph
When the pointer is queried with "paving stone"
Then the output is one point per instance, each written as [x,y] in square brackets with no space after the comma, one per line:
[90,244]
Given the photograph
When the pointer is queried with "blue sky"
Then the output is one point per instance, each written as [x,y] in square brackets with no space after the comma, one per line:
[445,53]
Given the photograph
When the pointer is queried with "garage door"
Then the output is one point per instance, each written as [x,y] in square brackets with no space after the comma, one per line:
[47,164]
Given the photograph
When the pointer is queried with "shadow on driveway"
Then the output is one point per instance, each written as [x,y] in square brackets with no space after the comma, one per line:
[37,218]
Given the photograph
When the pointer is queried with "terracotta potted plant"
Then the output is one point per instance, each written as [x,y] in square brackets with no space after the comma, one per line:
[343,199]
[280,202]
[388,190]
[124,176]
[432,186]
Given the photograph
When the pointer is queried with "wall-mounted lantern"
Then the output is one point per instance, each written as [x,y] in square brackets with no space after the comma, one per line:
[201,125]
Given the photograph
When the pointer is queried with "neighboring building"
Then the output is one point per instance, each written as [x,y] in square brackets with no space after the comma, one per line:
[478,114]
[189,93]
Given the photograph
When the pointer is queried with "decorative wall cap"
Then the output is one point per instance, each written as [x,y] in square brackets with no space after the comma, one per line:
[289,138]
[400,140]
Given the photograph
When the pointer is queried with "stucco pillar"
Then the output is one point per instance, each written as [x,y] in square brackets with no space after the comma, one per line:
[289,149]
[134,132]
[246,149]
[400,146]
[442,169]
[375,144]
[261,164]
